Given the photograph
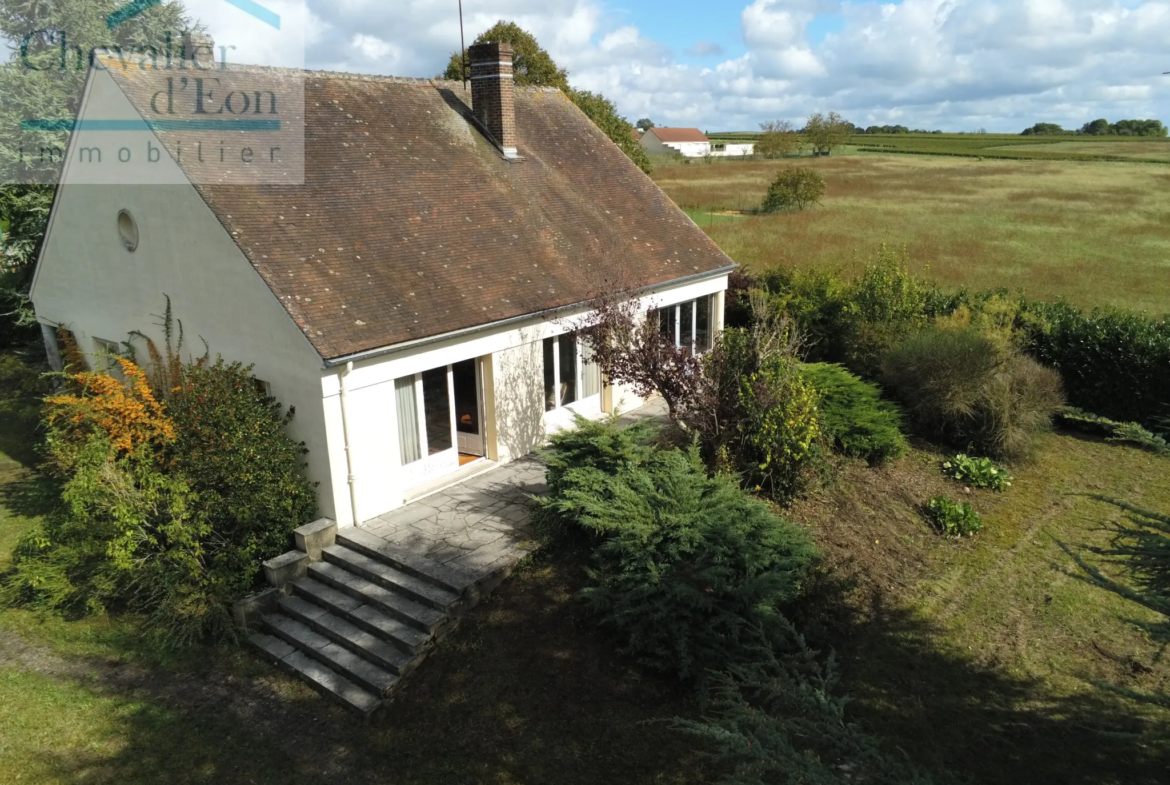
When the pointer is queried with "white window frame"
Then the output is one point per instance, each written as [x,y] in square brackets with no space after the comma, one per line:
[693,304]
[428,466]
[106,351]
[584,405]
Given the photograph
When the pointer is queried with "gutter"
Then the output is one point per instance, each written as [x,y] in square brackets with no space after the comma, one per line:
[368,354]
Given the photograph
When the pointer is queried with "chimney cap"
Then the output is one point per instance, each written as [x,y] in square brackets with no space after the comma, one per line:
[489,48]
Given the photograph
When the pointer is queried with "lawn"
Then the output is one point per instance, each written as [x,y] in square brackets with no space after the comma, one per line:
[1092,232]
[985,655]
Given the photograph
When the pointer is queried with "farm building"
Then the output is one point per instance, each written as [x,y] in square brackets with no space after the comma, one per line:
[690,142]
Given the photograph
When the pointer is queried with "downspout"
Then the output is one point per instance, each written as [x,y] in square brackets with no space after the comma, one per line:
[348,449]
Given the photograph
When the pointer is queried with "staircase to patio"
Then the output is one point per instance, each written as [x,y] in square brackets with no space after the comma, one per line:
[352,611]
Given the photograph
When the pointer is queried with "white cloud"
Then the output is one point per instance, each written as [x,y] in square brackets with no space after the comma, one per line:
[958,64]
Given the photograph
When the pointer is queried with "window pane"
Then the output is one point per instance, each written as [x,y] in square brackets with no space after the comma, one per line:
[407,405]
[590,373]
[703,324]
[686,324]
[568,344]
[550,375]
[666,322]
[466,397]
[437,410]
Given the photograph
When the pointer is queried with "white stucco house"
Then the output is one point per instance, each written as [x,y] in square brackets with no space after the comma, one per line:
[408,279]
[690,142]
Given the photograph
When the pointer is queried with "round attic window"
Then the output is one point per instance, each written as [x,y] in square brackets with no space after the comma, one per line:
[128,230]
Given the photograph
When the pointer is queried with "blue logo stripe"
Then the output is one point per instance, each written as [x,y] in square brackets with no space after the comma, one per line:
[258,11]
[129,11]
[150,125]
[136,7]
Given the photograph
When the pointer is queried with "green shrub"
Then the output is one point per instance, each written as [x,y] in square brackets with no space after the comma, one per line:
[1075,419]
[232,446]
[691,572]
[794,188]
[853,413]
[977,472]
[166,510]
[957,385]
[778,721]
[1114,362]
[755,416]
[956,519]
[126,536]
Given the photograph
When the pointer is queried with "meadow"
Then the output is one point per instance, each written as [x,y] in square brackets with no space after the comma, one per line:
[1093,232]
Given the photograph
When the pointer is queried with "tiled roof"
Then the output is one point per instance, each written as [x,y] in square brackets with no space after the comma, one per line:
[410,223]
[679,134]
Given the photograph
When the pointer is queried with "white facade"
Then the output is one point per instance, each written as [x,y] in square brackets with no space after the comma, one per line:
[655,146]
[89,282]
[734,150]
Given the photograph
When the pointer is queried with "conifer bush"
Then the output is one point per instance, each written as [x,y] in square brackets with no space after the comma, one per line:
[854,415]
[692,573]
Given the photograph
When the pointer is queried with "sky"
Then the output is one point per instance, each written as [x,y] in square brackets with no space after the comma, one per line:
[955,65]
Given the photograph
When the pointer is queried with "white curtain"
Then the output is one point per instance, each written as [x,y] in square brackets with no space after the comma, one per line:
[406,402]
[590,372]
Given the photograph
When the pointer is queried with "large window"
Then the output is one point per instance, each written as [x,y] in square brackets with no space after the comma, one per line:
[570,374]
[688,324]
[423,404]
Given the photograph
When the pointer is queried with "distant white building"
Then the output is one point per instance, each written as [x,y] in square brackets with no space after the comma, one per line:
[733,150]
[690,142]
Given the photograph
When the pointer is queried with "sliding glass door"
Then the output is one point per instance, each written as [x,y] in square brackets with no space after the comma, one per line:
[426,425]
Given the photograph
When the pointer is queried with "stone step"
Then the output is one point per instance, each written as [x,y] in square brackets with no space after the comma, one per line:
[392,578]
[390,629]
[361,671]
[407,561]
[324,680]
[348,635]
[415,614]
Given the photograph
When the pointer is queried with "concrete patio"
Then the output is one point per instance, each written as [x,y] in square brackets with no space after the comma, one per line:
[479,526]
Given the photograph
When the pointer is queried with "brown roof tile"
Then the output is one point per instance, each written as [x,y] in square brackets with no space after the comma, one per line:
[410,224]
[679,134]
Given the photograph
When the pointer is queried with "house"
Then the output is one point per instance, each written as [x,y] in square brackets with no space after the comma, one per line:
[408,272]
[690,142]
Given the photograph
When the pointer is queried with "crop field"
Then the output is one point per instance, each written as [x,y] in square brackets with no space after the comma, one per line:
[1094,232]
[1006,146]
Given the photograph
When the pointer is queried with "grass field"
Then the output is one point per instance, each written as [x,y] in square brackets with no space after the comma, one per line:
[1006,146]
[1097,233]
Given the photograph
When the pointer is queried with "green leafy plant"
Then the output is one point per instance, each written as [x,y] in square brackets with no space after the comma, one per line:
[977,472]
[691,572]
[794,188]
[1130,432]
[956,519]
[852,412]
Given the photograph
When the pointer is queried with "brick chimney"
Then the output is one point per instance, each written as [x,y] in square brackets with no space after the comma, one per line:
[493,93]
[199,49]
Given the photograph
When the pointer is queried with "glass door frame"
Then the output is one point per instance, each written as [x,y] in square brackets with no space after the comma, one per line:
[430,467]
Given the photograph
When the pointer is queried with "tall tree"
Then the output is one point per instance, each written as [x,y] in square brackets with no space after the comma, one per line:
[51,44]
[778,139]
[827,132]
[645,124]
[534,67]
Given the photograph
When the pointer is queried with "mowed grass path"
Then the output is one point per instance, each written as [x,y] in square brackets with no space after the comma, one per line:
[1094,233]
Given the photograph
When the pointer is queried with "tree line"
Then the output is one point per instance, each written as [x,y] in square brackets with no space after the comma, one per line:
[1101,127]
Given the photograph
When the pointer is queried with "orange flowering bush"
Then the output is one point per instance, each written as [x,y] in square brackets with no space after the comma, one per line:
[126,413]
